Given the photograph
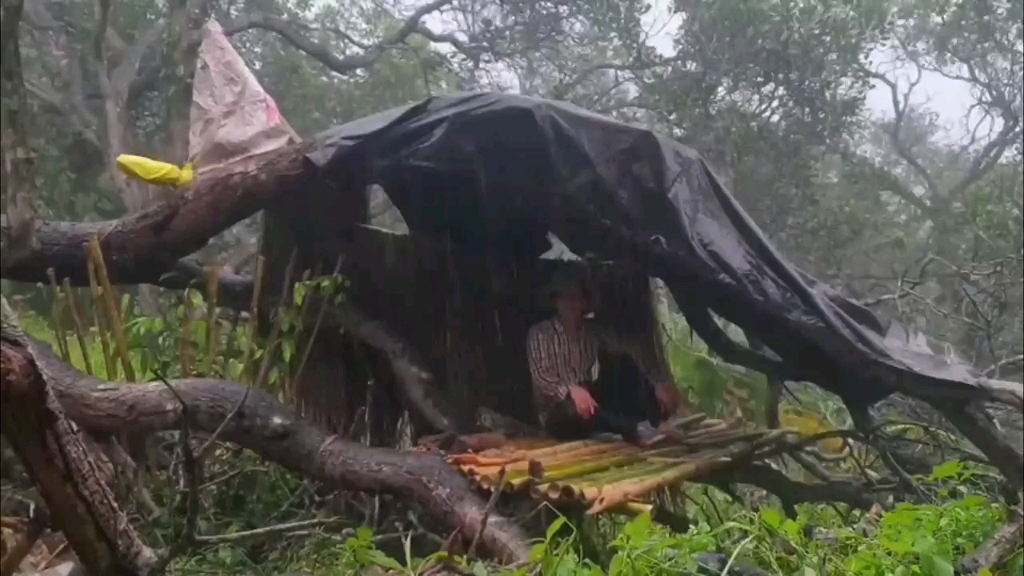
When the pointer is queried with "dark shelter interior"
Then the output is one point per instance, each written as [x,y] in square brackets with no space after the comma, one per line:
[481,179]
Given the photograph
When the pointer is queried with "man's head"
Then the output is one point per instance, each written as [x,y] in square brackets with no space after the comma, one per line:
[569,295]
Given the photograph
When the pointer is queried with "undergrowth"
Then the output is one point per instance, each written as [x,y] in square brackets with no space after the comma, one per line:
[244,495]
[924,540]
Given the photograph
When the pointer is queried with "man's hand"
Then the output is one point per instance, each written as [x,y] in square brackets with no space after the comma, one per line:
[669,398]
[586,407]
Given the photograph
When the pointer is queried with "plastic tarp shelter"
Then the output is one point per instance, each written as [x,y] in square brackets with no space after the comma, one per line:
[497,169]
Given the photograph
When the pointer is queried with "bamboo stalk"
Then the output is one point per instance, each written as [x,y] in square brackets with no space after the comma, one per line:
[725,438]
[257,287]
[55,313]
[636,470]
[548,458]
[99,319]
[572,470]
[185,339]
[569,486]
[592,490]
[79,326]
[212,285]
[625,491]
[487,460]
[585,471]
[521,468]
[110,299]
[689,422]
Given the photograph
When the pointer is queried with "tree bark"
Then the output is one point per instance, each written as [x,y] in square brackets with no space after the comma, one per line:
[268,428]
[52,450]
[140,248]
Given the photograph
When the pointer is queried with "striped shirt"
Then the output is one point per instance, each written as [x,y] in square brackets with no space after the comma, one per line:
[558,361]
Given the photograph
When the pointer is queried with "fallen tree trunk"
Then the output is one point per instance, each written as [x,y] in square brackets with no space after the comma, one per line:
[140,248]
[52,450]
[268,428]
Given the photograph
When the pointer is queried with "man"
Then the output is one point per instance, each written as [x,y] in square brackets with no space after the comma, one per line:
[563,357]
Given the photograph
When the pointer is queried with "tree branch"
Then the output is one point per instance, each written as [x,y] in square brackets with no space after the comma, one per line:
[268,428]
[53,451]
[291,33]
[140,248]
[900,105]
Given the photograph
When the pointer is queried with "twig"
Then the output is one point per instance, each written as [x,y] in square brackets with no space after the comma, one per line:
[268,530]
[100,320]
[487,512]
[49,561]
[994,369]
[316,326]
[187,538]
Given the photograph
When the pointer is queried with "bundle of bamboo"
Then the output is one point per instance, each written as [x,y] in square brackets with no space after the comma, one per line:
[616,475]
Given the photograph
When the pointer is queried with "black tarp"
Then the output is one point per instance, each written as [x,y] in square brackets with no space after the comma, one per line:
[495,169]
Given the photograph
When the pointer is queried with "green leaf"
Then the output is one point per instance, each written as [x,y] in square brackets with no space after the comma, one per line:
[554,528]
[300,293]
[381,559]
[947,470]
[638,529]
[364,534]
[772,517]
[933,565]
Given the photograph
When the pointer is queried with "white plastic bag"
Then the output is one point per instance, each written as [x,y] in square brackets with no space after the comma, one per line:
[232,117]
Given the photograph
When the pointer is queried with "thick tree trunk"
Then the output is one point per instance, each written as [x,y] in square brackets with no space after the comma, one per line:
[270,429]
[52,450]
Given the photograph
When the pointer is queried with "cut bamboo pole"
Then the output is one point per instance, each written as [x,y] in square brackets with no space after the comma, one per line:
[99,319]
[627,490]
[113,313]
[79,326]
[58,323]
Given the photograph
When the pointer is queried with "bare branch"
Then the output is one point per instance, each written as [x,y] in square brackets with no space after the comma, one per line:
[995,368]
[273,431]
[900,106]
[292,34]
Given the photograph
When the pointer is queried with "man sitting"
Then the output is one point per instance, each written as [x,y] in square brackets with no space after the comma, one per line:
[563,357]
